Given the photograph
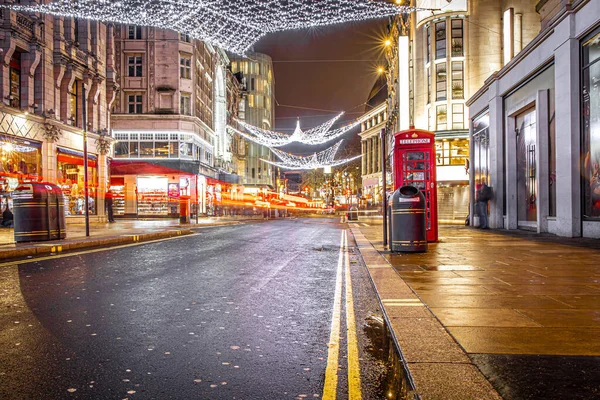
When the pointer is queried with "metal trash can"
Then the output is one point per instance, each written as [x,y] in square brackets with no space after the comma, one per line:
[353,214]
[408,225]
[39,212]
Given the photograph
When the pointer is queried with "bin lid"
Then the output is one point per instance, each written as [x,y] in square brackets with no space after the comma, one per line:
[35,190]
[407,194]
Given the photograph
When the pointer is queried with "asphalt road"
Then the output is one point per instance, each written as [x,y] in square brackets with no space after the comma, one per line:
[237,312]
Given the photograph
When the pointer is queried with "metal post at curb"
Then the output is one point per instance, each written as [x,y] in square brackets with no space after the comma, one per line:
[197,200]
[85,163]
[383,172]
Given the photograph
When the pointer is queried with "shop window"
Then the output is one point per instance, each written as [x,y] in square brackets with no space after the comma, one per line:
[146,149]
[14,96]
[134,64]
[186,104]
[152,198]
[161,149]
[134,102]
[441,115]
[20,160]
[440,82]
[458,115]
[452,151]
[134,149]
[185,67]
[440,40]
[591,123]
[174,149]
[121,149]
[458,82]
[71,179]
[481,154]
[134,32]
[457,38]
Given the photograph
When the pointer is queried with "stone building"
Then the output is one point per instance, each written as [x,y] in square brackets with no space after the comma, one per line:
[169,120]
[49,63]
[258,110]
[535,127]
[438,60]
[371,123]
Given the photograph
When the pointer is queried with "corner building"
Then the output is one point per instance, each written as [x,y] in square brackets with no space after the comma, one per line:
[451,53]
[169,120]
[47,61]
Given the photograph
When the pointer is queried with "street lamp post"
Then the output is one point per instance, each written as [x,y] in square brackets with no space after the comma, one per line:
[383,184]
[85,163]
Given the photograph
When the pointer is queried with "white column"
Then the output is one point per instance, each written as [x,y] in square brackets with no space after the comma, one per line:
[542,160]
[568,153]
[497,159]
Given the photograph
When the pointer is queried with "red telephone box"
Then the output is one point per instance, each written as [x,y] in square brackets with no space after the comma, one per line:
[414,165]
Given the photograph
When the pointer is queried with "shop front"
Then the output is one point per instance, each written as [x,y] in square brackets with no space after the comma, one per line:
[20,161]
[155,193]
[452,160]
[71,179]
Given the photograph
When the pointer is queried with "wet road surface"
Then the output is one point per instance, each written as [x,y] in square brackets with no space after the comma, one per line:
[238,312]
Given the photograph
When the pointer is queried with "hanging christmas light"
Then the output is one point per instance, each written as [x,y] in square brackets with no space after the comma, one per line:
[323,159]
[231,25]
[317,135]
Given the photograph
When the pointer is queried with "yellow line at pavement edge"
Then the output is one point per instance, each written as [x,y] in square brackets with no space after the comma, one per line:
[331,372]
[354,390]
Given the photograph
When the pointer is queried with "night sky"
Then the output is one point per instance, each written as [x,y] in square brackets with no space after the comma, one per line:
[317,91]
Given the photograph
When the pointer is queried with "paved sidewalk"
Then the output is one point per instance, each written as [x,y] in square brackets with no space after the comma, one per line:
[104,234]
[523,308]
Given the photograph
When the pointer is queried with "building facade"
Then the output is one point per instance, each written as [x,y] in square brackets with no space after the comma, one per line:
[535,127]
[257,109]
[372,122]
[57,79]
[438,60]
[169,120]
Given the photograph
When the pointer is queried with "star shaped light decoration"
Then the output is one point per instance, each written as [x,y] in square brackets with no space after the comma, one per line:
[325,158]
[233,25]
[318,135]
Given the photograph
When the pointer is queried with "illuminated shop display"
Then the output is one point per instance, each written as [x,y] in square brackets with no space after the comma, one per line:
[231,25]
[153,195]
[71,181]
[20,160]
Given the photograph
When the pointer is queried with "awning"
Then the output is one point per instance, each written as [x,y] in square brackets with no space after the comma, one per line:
[75,157]
[153,167]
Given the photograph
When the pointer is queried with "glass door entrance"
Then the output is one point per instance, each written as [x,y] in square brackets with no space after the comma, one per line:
[526,169]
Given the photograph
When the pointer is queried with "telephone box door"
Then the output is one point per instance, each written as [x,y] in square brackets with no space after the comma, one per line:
[414,165]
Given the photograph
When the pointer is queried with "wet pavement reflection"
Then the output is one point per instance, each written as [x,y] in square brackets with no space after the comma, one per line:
[394,385]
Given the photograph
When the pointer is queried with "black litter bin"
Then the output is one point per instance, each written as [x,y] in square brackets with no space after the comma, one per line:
[353,214]
[39,212]
[407,220]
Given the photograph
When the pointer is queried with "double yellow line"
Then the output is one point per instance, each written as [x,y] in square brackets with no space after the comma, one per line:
[331,372]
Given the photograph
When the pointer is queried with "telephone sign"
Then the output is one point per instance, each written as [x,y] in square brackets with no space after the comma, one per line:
[414,165]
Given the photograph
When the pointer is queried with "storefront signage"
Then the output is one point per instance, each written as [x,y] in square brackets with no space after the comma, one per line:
[173,189]
[414,141]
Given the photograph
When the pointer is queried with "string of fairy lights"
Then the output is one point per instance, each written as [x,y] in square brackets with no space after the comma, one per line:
[318,135]
[323,159]
[232,25]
